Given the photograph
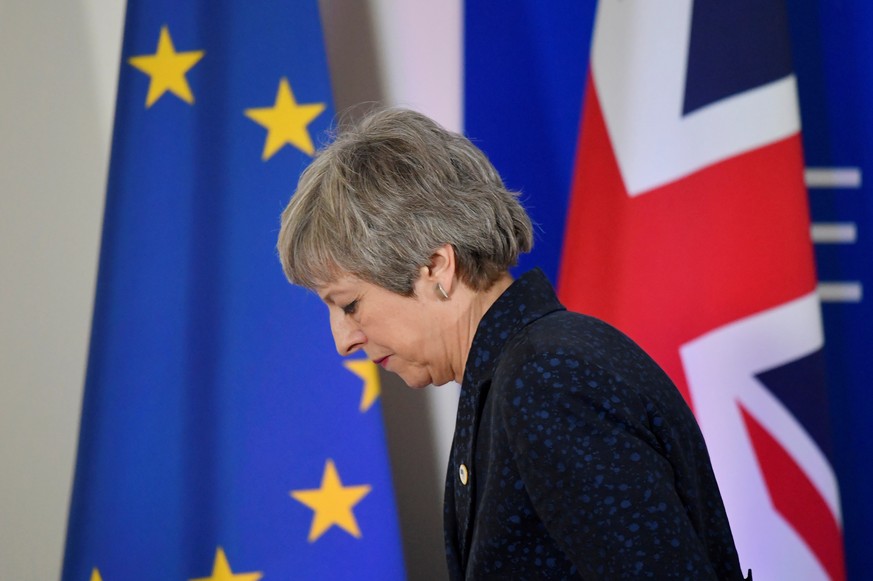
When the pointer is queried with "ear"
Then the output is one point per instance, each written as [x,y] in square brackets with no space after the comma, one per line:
[441,268]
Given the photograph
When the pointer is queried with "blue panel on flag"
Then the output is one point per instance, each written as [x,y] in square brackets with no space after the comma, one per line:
[833,53]
[798,386]
[722,59]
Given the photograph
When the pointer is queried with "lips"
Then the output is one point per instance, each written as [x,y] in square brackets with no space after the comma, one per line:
[382,361]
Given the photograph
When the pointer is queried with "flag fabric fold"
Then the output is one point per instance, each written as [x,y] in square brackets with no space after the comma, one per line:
[221,435]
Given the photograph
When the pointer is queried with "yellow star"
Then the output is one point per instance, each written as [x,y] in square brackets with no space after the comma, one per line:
[332,503]
[366,370]
[286,122]
[221,571]
[167,69]
[95,575]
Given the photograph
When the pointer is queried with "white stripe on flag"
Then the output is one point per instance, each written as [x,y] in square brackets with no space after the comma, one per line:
[840,292]
[834,232]
[832,177]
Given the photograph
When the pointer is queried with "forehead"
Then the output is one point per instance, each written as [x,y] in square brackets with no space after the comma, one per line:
[343,284]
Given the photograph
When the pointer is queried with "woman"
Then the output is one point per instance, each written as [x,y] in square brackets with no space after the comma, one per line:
[574,455]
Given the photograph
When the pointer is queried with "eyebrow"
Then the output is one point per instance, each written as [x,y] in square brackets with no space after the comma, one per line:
[328,296]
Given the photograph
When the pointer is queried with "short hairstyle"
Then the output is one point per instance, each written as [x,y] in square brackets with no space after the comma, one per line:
[388,192]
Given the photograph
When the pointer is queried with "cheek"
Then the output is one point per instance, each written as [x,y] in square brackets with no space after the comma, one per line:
[404,331]
[403,328]
[424,342]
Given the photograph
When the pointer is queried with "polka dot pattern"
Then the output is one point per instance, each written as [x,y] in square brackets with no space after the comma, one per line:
[582,460]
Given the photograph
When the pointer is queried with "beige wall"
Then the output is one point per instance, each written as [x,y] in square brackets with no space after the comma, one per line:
[59,64]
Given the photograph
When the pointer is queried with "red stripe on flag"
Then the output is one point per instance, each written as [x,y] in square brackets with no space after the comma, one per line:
[724,243]
[796,499]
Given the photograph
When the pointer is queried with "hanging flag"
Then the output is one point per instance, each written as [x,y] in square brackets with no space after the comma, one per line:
[222,437]
[688,228]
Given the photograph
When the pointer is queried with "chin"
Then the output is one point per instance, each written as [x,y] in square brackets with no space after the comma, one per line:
[422,382]
[415,381]
[419,376]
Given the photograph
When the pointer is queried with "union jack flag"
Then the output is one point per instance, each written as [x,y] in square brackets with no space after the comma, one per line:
[688,228]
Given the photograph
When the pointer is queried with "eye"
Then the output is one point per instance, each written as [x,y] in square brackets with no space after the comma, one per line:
[350,308]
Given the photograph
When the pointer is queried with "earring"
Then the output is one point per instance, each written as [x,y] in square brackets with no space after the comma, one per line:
[441,292]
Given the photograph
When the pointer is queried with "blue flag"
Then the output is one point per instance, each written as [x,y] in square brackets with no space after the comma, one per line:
[222,437]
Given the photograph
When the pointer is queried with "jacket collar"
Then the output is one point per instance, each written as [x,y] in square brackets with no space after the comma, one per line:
[527,299]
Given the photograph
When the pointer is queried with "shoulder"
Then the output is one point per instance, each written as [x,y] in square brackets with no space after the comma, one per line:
[582,369]
[564,341]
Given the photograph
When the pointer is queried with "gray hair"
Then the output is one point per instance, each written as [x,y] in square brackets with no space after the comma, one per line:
[386,194]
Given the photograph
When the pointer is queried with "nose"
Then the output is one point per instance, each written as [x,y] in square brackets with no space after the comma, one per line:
[347,335]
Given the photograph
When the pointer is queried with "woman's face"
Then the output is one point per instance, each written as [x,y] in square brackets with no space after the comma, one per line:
[394,331]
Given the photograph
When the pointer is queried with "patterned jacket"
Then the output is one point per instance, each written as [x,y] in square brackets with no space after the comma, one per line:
[575,456]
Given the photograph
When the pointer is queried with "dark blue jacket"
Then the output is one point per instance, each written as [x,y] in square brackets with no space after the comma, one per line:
[575,456]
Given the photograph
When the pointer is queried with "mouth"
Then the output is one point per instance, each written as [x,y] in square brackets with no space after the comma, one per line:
[382,361]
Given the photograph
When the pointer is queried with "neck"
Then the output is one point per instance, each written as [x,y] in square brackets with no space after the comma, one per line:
[475,306]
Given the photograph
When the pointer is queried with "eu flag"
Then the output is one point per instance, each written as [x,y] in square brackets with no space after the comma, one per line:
[222,437]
